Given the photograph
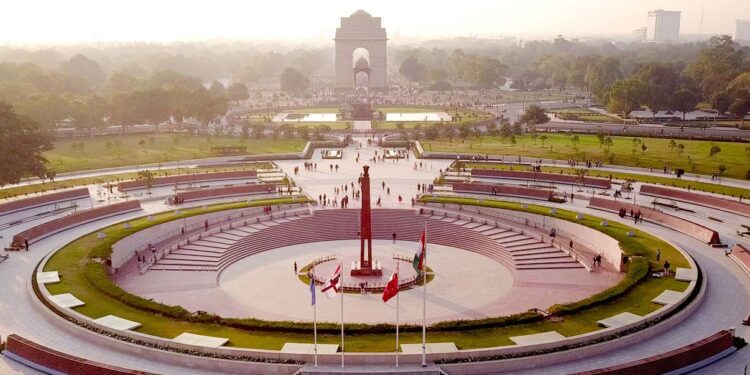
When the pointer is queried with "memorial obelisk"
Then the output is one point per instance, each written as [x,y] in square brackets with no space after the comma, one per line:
[365,231]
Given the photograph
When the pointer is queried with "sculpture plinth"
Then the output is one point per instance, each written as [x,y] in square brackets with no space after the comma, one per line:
[365,266]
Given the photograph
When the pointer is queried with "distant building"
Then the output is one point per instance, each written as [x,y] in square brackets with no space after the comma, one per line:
[663,26]
[639,34]
[742,30]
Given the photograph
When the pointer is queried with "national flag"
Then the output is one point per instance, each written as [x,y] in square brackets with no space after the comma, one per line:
[333,285]
[418,262]
[391,289]
[312,289]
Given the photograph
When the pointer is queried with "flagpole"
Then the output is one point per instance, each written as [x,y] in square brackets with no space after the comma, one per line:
[315,318]
[397,299]
[424,299]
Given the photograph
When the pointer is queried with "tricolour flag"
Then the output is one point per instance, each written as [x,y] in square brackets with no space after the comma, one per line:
[312,289]
[418,262]
[333,285]
[391,289]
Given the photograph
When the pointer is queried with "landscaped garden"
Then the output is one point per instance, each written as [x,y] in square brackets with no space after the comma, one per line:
[728,159]
[115,151]
[84,276]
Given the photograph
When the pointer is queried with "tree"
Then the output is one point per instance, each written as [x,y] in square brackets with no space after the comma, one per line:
[238,92]
[659,82]
[217,88]
[294,81]
[464,130]
[717,63]
[83,67]
[412,69]
[533,115]
[625,96]
[23,142]
[684,100]
[148,179]
[739,91]
[505,129]
[715,150]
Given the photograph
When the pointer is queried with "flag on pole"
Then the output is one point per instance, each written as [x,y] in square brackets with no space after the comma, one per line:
[418,262]
[391,289]
[333,285]
[312,289]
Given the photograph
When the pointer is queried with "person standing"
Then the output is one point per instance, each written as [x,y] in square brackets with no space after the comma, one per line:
[658,254]
[295,267]
[666,268]
[394,238]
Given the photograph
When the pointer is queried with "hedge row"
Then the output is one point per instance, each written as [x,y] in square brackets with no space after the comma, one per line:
[96,274]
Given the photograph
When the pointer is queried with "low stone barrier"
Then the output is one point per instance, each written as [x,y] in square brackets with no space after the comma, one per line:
[599,183]
[42,200]
[225,192]
[81,217]
[684,226]
[187,178]
[505,190]
[700,353]
[49,360]
[722,204]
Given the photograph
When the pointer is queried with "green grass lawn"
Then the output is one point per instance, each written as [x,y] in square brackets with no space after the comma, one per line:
[583,114]
[731,191]
[64,184]
[117,151]
[72,259]
[694,159]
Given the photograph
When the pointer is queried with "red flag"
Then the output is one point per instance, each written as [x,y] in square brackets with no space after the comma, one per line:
[333,285]
[391,289]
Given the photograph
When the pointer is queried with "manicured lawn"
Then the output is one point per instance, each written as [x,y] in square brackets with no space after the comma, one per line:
[583,114]
[694,159]
[117,151]
[68,261]
[658,180]
[64,184]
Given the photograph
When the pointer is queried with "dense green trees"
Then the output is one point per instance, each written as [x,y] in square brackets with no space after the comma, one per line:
[438,67]
[293,81]
[412,69]
[23,142]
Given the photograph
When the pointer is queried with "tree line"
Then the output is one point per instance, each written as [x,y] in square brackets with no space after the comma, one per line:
[80,95]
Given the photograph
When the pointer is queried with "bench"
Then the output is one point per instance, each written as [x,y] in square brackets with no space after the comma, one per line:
[42,200]
[594,182]
[504,190]
[187,178]
[48,360]
[81,217]
[722,204]
[224,192]
[687,227]
[687,358]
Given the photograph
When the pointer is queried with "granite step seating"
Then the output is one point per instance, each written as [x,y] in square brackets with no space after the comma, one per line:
[529,253]
[331,225]
[343,224]
[206,253]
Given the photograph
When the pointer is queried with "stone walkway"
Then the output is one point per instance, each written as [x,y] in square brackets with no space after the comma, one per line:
[726,305]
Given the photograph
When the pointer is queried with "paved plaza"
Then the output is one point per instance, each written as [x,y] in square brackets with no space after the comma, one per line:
[725,306]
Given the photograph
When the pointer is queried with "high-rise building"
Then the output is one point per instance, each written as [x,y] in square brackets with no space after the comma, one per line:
[663,26]
[639,34]
[742,30]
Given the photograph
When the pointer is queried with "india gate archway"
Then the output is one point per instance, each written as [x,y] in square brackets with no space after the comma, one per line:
[361,31]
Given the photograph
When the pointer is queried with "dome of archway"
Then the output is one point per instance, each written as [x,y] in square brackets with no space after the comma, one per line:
[360,13]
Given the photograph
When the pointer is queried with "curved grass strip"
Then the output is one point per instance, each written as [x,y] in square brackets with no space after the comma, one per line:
[84,275]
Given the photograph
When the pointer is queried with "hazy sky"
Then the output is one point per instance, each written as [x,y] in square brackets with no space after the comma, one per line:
[56,21]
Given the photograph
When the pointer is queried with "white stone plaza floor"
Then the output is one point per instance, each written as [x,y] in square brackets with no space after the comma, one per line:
[466,286]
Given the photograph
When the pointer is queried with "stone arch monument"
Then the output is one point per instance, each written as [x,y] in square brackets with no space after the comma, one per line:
[361,30]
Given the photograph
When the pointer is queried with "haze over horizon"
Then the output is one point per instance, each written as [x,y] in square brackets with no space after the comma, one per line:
[82,21]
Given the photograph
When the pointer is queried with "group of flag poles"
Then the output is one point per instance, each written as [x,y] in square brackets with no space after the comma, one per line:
[335,283]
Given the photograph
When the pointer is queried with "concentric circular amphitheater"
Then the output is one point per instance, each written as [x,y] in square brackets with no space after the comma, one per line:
[212,284]
[484,268]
